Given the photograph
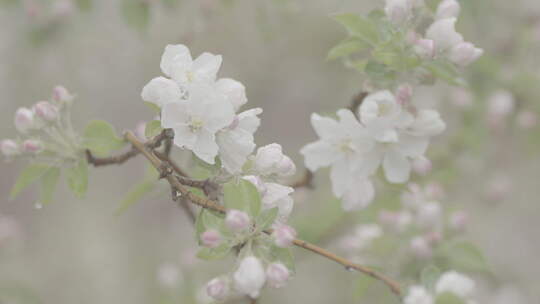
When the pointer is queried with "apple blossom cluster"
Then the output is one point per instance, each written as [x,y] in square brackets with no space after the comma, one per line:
[387,130]
[450,285]
[45,132]
[203,112]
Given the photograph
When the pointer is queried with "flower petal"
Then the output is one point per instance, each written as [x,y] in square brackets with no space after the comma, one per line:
[183,137]
[206,67]
[161,91]
[396,166]
[340,174]
[206,148]
[359,195]
[319,154]
[324,127]
[175,57]
[173,114]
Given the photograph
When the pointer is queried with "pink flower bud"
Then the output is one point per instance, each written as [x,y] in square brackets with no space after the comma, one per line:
[24,120]
[211,238]
[284,235]
[398,11]
[285,167]
[32,146]
[425,48]
[527,119]
[465,53]
[46,111]
[458,220]
[217,289]
[434,191]
[277,275]
[448,9]
[403,94]
[61,95]
[421,248]
[271,160]
[9,147]
[422,165]
[237,220]
[250,277]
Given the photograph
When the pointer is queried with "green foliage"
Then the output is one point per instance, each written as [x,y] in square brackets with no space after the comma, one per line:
[136,13]
[28,176]
[153,128]
[266,218]
[359,27]
[347,47]
[445,71]
[242,195]
[100,138]
[463,256]
[429,276]
[48,184]
[77,178]
[217,253]
[448,298]
[84,5]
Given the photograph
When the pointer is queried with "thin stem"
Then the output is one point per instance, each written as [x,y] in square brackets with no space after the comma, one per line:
[206,203]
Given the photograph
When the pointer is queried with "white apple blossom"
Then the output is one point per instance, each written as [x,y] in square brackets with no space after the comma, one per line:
[234,90]
[197,120]
[178,64]
[250,277]
[270,161]
[341,145]
[162,91]
[456,283]
[443,33]
[448,9]
[425,48]
[418,295]
[464,53]
[236,141]
[359,195]
[279,196]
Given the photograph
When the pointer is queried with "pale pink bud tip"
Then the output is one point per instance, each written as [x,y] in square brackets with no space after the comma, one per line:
[284,235]
[421,248]
[237,220]
[61,95]
[277,275]
[9,147]
[211,238]
[425,48]
[46,111]
[217,289]
[404,94]
[24,119]
[32,146]
[422,165]
[465,53]
[271,160]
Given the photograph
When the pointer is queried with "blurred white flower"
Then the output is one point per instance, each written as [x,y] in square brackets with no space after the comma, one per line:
[456,283]
[197,120]
[168,275]
[234,91]
[24,120]
[9,147]
[250,277]
[448,9]
[217,288]
[464,53]
[418,295]
[178,64]
[443,32]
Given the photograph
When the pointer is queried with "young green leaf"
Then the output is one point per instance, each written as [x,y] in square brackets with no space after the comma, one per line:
[242,195]
[429,276]
[135,195]
[283,255]
[214,253]
[359,27]
[100,138]
[29,175]
[445,71]
[77,178]
[153,128]
[267,218]
[346,48]
[464,256]
[48,184]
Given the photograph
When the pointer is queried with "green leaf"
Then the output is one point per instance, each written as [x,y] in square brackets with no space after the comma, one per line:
[242,195]
[429,276]
[359,27]
[154,107]
[136,13]
[346,48]
[464,256]
[283,255]
[101,139]
[153,128]
[445,71]
[84,5]
[214,253]
[267,218]
[448,298]
[29,175]
[135,195]
[77,178]
[48,184]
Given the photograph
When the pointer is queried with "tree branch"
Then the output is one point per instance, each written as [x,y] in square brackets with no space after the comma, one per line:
[208,204]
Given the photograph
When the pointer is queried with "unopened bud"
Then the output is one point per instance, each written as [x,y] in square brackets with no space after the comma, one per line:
[237,220]
[421,248]
[46,111]
[217,289]
[429,214]
[277,275]
[32,146]
[250,277]
[285,167]
[404,93]
[284,235]
[270,160]
[61,95]
[425,48]
[465,53]
[211,238]
[398,11]
[448,9]
[24,120]
[422,165]
[9,147]
[458,220]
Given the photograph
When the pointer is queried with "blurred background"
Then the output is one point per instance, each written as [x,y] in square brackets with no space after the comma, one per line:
[80,251]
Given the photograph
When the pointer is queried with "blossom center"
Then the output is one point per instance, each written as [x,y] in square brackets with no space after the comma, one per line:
[195,124]
[190,76]
[346,146]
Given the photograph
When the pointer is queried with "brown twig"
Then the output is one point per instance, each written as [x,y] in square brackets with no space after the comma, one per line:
[357,101]
[305,181]
[208,204]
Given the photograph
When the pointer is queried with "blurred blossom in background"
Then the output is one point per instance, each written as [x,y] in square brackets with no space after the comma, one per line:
[484,168]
